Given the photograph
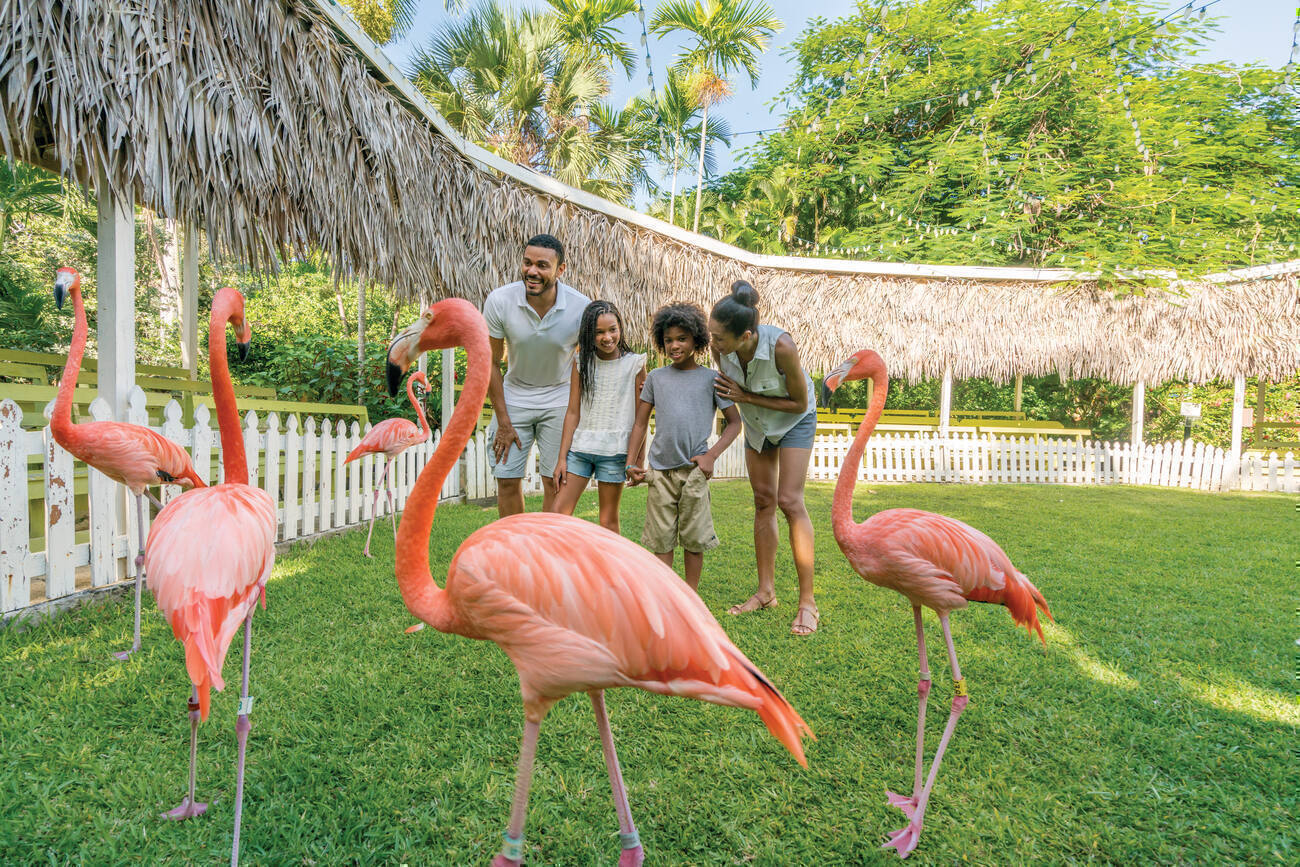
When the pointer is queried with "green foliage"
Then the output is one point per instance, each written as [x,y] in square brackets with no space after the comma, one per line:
[382,20]
[28,319]
[1157,727]
[944,131]
[529,85]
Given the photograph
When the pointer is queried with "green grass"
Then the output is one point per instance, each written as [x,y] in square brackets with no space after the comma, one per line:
[1158,726]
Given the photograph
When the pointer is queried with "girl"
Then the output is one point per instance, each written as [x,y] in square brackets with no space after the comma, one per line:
[602,402]
[760,371]
[678,510]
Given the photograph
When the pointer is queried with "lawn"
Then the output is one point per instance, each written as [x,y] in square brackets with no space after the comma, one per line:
[1159,725]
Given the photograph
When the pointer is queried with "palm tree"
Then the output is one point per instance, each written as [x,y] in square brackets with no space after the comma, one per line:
[511,81]
[27,191]
[587,27]
[729,35]
[672,119]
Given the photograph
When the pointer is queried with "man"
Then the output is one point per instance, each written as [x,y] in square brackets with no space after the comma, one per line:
[539,317]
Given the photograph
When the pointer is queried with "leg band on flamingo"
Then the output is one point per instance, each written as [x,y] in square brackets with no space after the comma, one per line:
[630,841]
[959,689]
[513,847]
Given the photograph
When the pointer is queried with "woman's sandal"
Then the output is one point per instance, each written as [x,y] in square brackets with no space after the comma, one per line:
[802,623]
[751,604]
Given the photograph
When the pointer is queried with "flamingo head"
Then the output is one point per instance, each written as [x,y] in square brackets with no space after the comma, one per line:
[441,326]
[863,364]
[234,299]
[65,280]
[421,382]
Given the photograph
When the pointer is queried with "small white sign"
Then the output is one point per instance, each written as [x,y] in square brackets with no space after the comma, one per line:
[1191,410]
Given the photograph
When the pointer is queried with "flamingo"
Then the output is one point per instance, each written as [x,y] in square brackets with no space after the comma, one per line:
[209,556]
[933,560]
[392,437]
[127,453]
[576,607]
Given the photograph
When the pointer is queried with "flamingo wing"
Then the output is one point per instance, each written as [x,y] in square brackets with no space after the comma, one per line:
[390,436]
[207,560]
[133,455]
[577,608]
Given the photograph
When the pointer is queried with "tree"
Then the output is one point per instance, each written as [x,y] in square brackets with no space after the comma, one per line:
[728,36]
[587,28]
[512,82]
[382,20]
[673,127]
[1035,132]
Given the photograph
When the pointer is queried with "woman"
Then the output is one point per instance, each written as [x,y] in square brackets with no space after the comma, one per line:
[759,370]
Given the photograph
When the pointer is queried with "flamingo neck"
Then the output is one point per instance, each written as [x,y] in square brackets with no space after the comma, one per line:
[223,395]
[424,598]
[419,409]
[842,506]
[61,422]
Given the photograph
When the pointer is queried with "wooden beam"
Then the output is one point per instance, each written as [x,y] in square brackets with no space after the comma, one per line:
[1139,412]
[1238,411]
[1020,392]
[116,298]
[1260,390]
[190,300]
[945,400]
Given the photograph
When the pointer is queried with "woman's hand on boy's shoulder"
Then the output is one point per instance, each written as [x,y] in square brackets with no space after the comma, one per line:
[728,389]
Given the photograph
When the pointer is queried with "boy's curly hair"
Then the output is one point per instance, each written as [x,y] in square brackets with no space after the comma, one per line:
[688,317]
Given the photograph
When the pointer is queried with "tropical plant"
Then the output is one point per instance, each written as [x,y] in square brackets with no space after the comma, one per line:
[728,37]
[512,82]
[672,121]
[382,20]
[587,28]
[1034,132]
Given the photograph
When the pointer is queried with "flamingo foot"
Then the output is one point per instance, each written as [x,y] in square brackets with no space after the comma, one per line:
[124,655]
[904,839]
[632,857]
[416,628]
[187,810]
[366,551]
[907,805]
[502,861]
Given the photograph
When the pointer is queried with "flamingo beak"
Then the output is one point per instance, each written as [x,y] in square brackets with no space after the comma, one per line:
[61,284]
[402,353]
[243,349]
[836,377]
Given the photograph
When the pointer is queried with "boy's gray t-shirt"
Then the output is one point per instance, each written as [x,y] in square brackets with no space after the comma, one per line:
[685,406]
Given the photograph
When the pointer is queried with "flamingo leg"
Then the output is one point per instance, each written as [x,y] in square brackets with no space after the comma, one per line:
[632,854]
[189,807]
[392,510]
[374,504]
[908,804]
[242,727]
[139,580]
[512,853]
[905,839]
[157,502]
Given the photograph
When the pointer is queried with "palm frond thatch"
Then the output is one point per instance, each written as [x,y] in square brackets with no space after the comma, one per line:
[263,122]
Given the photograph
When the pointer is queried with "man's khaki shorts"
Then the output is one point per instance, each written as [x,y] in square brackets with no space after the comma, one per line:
[678,512]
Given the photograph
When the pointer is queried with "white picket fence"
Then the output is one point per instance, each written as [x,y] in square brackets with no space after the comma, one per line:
[960,456]
[301,467]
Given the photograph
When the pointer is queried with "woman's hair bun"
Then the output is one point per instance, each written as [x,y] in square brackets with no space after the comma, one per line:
[745,294]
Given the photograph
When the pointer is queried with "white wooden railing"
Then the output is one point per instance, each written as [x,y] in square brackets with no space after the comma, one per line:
[88,539]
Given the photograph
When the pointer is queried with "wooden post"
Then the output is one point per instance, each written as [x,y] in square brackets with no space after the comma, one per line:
[361,342]
[190,301]
[1020,392]
[116,300]
[1139,412]
[1259,411]
[1238,411]
[945,400]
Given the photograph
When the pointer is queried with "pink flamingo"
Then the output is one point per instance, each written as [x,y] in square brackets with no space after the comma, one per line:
[392,437]
[127,453]
[209,556]
[575,607]
[934,561]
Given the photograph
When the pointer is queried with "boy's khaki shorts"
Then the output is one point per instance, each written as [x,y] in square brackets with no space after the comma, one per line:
[678,512]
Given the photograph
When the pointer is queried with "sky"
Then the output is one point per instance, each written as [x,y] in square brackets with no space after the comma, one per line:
[1251,31]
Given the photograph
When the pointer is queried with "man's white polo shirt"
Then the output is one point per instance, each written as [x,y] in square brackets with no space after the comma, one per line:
[539,350]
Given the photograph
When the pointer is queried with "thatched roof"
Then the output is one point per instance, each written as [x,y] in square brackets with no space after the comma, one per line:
[276,125]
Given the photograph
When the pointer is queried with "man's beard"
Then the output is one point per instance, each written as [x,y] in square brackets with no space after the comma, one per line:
[544,288]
